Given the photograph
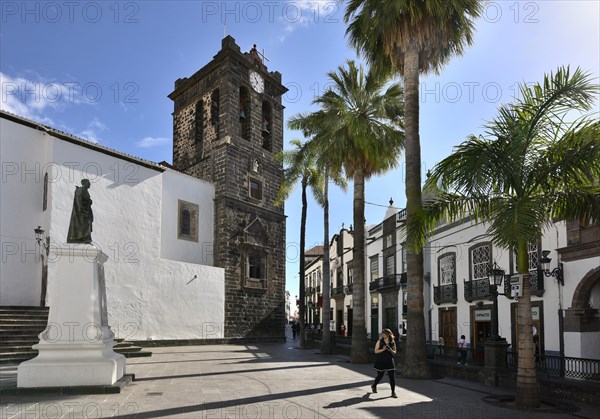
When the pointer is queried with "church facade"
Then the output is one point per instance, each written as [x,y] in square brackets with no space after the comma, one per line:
[196,250]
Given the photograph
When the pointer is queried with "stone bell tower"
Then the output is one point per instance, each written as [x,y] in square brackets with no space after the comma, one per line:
[227,129]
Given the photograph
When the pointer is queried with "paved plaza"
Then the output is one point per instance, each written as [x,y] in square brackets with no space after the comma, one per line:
[268,381]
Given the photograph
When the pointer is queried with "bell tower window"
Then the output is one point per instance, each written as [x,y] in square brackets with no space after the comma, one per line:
[214,107]
[266,126]
[244,110]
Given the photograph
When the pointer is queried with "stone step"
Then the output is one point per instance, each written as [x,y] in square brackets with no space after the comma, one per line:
[123,345]
[19,324]
[15,348]
[19,341]
[17,358]
[23,331]
[5,355]
[128,349]
[137,354]
[23,310]
[7,315]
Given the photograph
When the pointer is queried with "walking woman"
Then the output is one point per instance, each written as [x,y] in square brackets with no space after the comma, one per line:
[385,349]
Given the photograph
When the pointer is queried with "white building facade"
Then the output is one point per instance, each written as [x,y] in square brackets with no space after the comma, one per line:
[154,224]
[457,294]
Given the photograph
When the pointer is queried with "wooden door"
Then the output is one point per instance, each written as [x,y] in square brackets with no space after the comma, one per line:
[448,326]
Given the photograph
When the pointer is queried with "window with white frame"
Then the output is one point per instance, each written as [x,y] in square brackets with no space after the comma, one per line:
[404,255]
[481,260]
[350,275]
[374,264]
[389,241]
[390,265]
[532,257]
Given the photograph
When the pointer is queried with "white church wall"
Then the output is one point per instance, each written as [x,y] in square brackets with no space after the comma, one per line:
[25,155]
[177,186]
[148,297]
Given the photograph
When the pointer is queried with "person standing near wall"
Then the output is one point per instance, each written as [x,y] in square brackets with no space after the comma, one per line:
[462,349]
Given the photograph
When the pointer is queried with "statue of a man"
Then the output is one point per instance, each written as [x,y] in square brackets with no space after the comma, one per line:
[80,228]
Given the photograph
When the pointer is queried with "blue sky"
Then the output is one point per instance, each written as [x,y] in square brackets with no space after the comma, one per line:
[102,70]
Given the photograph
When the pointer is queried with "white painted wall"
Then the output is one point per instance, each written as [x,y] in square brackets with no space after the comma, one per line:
[149,297]
[177,186]
[25,155]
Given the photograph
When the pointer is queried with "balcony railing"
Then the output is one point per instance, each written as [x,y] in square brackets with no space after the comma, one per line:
[337,291]
[536,282]
[478,289]
[445,294]
[390,281]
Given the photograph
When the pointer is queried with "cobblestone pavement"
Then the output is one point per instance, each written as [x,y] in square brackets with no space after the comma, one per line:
[270,381]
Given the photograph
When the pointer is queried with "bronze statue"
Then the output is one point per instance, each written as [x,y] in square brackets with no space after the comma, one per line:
[80,228]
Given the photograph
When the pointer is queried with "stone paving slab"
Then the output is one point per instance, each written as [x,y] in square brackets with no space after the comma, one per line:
[270,381]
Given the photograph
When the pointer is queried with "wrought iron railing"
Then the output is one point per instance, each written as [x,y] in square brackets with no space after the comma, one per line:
[445,294]
[337,291]
[536,283]
[396,281]
[348,289]
[561,366]
[478,289]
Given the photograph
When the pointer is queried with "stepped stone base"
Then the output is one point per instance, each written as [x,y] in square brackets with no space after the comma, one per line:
[74,364]
[76,349]
[72,390]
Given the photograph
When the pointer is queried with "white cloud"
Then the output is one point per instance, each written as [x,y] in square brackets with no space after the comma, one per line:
[149,142]
[299,14]
[91,133]
[33,99]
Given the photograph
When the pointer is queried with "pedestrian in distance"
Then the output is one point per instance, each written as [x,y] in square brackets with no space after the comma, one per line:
[385,349]
[462,349]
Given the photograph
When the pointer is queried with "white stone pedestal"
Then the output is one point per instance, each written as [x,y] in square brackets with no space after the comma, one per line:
[76,347]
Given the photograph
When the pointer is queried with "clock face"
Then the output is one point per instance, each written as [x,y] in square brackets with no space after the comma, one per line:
[257,82]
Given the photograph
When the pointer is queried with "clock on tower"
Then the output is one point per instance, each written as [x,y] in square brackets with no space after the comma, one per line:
[227,129]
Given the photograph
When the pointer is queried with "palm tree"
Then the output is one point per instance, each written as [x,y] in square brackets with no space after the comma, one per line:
[300,166]
[412,37]
[360,132]
[531,167]
[311,129]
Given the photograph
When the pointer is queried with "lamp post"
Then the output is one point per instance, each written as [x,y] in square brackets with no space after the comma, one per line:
[556,272]
[495,275]
[42,241]
[495,346]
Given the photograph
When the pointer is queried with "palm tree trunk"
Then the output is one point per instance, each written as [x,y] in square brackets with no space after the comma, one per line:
[415,364]
[326,337]
[527,388]
[360,352]
[301,279]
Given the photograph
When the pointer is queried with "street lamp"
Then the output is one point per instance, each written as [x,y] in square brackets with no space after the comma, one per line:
[556,272]
[43,242]
[495,275]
